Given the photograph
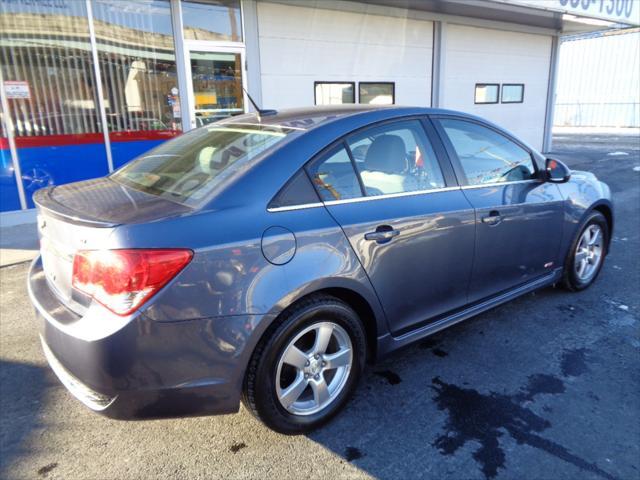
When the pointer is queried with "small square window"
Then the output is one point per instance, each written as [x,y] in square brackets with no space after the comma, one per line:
[512,93]
[335,93]
[487,92]
[381,93]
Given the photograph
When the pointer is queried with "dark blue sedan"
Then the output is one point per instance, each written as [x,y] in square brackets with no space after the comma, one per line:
[269,257]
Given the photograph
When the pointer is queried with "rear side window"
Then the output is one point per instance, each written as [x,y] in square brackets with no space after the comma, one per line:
[297,191]
[334,177]
[487,156]
[188,168]
[396,158]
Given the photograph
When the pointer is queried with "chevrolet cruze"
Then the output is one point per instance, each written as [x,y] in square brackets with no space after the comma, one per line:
[268,257]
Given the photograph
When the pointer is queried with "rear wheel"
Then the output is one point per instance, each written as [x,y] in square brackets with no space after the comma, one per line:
[586,257]
[307,366]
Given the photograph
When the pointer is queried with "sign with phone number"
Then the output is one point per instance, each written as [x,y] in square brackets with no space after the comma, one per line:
[623,11]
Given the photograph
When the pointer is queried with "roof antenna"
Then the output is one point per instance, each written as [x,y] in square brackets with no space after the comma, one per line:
[260,111]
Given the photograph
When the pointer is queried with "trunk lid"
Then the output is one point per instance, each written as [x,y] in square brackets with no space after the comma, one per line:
[83,216]
[105,203]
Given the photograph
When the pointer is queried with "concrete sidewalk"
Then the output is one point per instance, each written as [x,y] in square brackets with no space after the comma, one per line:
[18,243]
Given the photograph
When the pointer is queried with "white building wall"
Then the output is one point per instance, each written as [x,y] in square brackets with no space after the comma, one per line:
[480,55]
[300,45]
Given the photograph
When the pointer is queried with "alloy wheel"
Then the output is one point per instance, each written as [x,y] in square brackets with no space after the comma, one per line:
[588,253]
[314,368]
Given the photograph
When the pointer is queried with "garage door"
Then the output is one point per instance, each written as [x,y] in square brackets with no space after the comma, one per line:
[486,56]
[300,46]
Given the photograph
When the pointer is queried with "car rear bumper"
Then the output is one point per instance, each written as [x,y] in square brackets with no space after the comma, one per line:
[147,368]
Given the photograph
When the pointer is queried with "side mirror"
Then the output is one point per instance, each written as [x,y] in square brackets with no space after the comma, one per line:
[556,171]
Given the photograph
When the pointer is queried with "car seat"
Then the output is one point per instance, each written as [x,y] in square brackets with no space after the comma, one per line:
[386,167]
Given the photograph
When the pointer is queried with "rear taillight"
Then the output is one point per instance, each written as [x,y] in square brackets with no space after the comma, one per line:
[122,280]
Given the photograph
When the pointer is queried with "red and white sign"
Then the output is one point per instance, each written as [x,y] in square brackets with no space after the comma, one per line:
[17,90]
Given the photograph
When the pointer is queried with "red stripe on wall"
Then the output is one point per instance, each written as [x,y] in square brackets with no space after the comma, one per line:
[85,138]
[58,140]
[143,135]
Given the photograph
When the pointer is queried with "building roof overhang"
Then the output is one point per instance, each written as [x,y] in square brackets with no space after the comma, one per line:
[558,15]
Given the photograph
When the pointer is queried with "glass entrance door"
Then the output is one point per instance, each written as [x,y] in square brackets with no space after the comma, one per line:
[216,80]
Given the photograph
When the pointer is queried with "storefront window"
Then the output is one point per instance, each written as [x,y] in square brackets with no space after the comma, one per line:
[217,86]
[138,69]
[217,20]
[9,199]
[49,82]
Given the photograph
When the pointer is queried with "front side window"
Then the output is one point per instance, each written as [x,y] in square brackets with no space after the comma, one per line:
[335,93]
[188,168]
[487,156]
[396,158]
[334,177]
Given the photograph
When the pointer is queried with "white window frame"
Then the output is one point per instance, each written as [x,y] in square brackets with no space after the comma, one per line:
[209,47]
[184,48]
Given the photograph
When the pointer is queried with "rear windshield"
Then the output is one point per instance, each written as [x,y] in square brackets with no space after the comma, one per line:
[189,167]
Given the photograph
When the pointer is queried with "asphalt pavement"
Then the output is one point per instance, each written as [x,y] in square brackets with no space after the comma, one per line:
[545,387]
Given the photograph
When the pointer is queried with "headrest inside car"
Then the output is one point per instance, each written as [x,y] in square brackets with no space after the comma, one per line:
[387,154]
[205,158]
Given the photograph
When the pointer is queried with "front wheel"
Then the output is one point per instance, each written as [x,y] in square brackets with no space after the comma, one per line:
[586,257]
[306,367]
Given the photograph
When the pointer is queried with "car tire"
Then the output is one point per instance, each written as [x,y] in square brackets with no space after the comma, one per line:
[582,250]
[296,407]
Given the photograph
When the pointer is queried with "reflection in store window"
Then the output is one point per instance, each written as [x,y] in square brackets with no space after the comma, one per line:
[335,93]
[216,20]
[382,93]
[217,85]
[138,69]
[47,67]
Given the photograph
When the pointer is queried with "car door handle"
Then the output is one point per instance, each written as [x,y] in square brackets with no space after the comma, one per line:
[493,218]
[383,234]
